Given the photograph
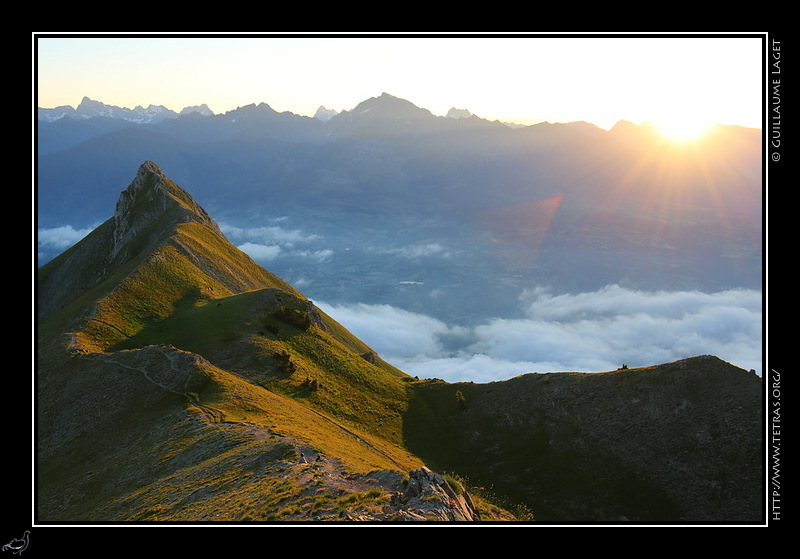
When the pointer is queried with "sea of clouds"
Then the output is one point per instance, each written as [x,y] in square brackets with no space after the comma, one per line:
[586,332]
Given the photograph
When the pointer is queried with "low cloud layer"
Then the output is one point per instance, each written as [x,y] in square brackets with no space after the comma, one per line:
[265,244]
[268,235]
[588,332]
[419,250]
[60,238]
[260,252]
[52,241]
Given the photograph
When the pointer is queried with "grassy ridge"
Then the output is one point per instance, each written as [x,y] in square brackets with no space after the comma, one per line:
[182,295]
[196,264]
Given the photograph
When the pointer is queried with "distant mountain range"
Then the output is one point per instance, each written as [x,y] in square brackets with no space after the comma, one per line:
[153,114]
[513,207]
[179,381]
[89,108]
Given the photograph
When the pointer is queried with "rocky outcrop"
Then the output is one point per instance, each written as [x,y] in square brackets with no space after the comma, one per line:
[146,200]
[429,496]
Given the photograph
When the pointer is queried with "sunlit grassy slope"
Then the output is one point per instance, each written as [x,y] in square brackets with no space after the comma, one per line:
[320,365]
[272,337]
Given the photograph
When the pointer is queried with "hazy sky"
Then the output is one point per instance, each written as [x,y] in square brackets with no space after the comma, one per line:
[523,79]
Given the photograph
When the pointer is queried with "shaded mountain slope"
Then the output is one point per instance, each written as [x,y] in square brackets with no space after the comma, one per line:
[675,442]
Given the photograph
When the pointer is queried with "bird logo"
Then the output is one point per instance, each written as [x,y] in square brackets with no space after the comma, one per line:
[18,545]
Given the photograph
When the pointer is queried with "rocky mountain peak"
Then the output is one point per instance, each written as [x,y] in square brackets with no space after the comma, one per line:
[149,181]
[202,110]
[324,114]
[148,199]
[458,113]
[389,106]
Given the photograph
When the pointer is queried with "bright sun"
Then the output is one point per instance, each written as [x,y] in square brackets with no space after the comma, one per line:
[682,129]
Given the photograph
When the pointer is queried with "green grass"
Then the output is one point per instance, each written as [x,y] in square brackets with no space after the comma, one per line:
[230,329]
[166,281]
